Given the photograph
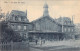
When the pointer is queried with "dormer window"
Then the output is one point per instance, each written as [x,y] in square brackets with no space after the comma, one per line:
[66,22]
[22,19]
[12,15]
[19,18]
[25,19]
[16,18]
[70,22]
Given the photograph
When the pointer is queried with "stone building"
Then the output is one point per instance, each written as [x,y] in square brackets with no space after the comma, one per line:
[77,31]
[18,22]
[45,27]
[68,26]
[48,28]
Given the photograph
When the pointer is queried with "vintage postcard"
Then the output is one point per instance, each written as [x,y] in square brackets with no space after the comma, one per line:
[39,25]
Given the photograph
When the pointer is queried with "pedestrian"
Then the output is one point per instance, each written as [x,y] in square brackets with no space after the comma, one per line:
[44,41]
[41,41]
[36,41]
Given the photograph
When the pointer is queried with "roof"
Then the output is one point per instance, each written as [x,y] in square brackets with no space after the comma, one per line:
[17,12]
[55,20]
[44,17]
[64,18]
[66,21]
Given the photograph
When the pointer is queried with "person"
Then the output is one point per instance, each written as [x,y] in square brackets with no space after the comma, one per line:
[36,41]
[43,40]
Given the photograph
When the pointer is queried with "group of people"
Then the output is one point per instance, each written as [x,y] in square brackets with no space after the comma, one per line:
[40,41]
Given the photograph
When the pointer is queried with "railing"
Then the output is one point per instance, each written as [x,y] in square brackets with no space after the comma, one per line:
[12,46]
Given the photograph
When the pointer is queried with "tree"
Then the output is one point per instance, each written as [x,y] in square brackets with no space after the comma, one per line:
[8,34]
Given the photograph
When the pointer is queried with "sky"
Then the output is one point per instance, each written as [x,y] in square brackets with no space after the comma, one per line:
[57,8]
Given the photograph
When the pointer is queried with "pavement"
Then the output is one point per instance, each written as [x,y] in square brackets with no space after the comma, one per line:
[52,49]
[66,45]
[72,43]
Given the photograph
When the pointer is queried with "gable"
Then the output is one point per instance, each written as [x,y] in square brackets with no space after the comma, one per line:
[46,24]
[43,18]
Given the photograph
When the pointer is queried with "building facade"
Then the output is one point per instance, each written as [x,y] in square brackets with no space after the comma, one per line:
[48,28]
[68,26]
[77,31]
[44,28]
[18,22]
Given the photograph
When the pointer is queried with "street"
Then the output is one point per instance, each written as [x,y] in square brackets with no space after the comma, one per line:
[70,45]
[52,49]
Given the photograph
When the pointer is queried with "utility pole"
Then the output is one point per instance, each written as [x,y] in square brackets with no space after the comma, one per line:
[62,24]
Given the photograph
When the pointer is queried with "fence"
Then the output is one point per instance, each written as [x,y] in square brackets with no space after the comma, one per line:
[13,46]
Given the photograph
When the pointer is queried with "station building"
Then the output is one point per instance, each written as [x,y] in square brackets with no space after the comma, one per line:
[48,28]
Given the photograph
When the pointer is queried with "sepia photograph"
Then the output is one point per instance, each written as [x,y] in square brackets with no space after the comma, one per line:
[39,25]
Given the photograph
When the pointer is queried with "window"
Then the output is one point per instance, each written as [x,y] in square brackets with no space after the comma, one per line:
[19,18]
[13,18]
[70,22]
[65,29]
[72,30]
[24,35]
[38,26]
[24,27]
[16,27]
[22,19]
[68,29]
[12,26]
[66,22]
[19,27]
[25,19]
[16,18]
